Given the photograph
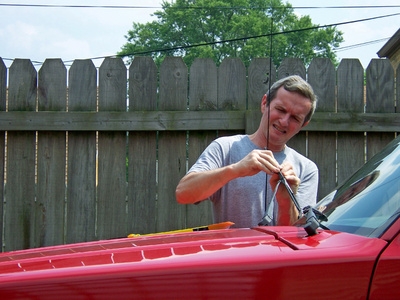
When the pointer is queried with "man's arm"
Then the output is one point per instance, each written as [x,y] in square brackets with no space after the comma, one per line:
[198,186]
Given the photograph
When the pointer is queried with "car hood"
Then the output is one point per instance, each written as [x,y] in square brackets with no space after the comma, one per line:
[213,247]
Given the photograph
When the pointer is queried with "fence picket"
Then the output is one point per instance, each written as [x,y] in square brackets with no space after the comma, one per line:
[3,94]
[171,145]
[292,66]
[322,146]
[379,99]
[350,145]
[111,215]
[51,157]
[142,149]
[20,186]
[261,75]
[231,89]
[203,95]
[81,170]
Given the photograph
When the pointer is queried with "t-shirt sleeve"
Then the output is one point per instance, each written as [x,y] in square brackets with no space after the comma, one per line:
[210,159]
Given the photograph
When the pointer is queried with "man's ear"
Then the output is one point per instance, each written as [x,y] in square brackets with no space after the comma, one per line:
[264,103]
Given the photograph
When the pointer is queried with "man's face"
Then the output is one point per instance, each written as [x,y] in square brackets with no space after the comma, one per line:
[287,114]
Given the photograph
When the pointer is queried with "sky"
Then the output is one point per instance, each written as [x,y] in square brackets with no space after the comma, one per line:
[72,33]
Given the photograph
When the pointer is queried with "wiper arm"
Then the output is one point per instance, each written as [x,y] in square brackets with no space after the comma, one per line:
[291,194]
[313,216]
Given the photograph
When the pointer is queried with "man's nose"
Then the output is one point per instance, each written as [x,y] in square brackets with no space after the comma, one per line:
[285,120]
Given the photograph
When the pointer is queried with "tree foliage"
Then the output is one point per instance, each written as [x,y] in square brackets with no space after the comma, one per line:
[231,28]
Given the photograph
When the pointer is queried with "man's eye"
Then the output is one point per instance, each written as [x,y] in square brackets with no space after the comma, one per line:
[298,120]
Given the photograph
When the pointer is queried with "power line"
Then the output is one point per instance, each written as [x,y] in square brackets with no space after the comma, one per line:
[344,48]
[189,7]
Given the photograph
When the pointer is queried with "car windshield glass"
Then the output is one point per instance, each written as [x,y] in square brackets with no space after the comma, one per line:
[370,200]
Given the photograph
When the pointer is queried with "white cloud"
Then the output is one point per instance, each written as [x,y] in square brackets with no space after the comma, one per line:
[20,34]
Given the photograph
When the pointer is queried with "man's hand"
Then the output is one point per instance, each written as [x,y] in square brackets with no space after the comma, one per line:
[256,161]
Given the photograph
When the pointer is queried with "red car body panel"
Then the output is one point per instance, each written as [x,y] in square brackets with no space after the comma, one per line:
[386,280]
[263,262]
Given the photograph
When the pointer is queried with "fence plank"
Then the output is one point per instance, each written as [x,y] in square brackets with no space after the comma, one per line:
[3,85]
[171,145]
[81,175]
[3,94]
[203,93]
[322,146]
[379,98]
[20,187]
[111,188]
[291,66]
[350,145]
[142,176]
[261,75]
[231,89]
[51,157]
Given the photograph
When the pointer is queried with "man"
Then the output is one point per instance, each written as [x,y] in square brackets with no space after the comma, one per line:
[239,174]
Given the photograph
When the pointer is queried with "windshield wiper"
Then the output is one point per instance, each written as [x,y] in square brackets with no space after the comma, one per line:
[313,216]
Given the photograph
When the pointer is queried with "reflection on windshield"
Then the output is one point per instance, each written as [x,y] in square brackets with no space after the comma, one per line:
[349,193]
[370,200]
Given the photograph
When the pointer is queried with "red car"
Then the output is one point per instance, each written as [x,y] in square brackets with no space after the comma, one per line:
[347,247]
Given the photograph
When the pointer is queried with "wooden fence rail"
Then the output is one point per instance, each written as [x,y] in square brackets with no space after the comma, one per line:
[90,154]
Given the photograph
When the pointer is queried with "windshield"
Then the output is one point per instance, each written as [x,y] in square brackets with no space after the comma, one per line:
[370,200]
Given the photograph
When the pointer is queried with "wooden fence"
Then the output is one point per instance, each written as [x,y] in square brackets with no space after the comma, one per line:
[91,154]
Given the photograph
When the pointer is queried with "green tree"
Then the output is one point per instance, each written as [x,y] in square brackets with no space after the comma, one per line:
[230,28]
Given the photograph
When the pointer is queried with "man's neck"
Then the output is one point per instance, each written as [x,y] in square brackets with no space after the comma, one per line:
[263,143]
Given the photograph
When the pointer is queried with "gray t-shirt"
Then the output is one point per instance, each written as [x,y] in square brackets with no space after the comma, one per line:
[242,200]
